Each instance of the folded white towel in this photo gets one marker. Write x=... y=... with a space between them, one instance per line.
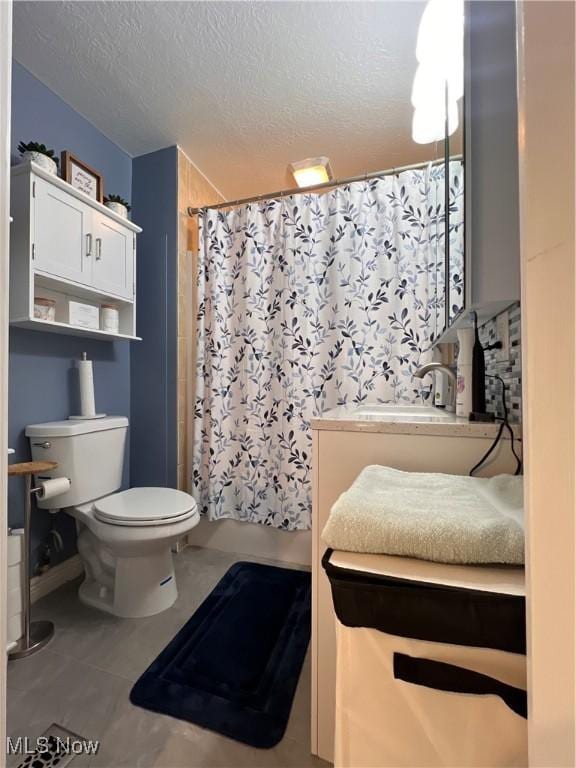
x=444 y=518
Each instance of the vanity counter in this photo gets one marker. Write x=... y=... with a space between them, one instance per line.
x=347 y=419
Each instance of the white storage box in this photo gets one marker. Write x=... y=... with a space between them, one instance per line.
x=431 y=666
x=14 y=586
x=83 y=315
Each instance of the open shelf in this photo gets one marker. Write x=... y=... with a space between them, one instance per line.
x=62 y=293
x=32 y=323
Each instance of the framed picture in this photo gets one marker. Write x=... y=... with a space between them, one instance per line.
x=81 y=176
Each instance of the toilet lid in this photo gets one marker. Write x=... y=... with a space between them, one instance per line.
x=145 y=506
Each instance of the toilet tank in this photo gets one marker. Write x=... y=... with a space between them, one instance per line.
x=90 y=453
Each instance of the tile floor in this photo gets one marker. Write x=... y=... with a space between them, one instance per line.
x=83 y=678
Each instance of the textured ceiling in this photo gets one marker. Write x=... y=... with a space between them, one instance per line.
x=243 y=87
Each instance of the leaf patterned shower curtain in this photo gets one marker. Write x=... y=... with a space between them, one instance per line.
x=306 y=303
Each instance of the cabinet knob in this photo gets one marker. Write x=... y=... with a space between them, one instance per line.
x=88 y=244
x=98 y=248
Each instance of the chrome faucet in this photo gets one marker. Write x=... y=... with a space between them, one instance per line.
x=449 y=372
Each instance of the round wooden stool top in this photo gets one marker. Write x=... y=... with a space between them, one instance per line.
x=31 y=467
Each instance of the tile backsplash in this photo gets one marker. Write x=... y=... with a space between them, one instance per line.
x=509 y=370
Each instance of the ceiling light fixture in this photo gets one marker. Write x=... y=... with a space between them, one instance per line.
x=312 y=171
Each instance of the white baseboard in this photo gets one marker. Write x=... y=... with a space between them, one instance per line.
x=42 y=585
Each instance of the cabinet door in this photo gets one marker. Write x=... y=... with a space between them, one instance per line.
x=61 y=233
x=113 y=265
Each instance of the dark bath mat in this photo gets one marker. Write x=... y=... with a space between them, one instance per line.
x=234 y=666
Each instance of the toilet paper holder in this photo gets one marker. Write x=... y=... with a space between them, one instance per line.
x=36 y=634
x=51 y=486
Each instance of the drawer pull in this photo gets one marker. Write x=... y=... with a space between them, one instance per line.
x=441 y=676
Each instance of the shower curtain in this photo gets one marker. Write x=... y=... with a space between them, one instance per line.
x=306 y=303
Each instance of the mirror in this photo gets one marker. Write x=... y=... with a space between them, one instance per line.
x=438 y=99
x=438 y=298
x=455 y=222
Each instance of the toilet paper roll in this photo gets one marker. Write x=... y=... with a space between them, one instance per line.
x=54 y=487
x=87 y=404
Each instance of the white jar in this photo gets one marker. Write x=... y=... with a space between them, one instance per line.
x=118 y=208
x=109 y=318
x=44 y=309
x=42 y=160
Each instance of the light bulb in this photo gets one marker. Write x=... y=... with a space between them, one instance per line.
x=453 y=120
x=430 y=31
x=429 y=123
x=429 y=87
x=441 y=32
x=440 y=73
x=307 y=177
x=455 y=78
x=440 y=44
x=312 y=171
x=428 y=126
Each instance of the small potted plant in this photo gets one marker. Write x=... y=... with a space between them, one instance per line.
x=39 y=154
x=117 y=204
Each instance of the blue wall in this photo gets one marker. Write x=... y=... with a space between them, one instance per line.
x=39 y=115
x=154 y=359
x=41 y=383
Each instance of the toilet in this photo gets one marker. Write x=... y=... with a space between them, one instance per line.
x=124 y=537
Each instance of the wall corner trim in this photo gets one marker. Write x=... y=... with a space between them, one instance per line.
x=201 y=172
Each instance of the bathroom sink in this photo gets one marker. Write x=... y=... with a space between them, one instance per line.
x=423 y=412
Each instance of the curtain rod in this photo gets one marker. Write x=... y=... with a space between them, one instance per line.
x=325 y=185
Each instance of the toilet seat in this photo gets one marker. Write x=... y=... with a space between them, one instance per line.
x=145 y=506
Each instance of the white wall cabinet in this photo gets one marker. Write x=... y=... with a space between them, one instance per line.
x=66 y=246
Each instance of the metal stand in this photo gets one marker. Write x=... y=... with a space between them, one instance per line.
x=37 y=634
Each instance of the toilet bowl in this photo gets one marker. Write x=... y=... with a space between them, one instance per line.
x=124 y=537
x=125 y=543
